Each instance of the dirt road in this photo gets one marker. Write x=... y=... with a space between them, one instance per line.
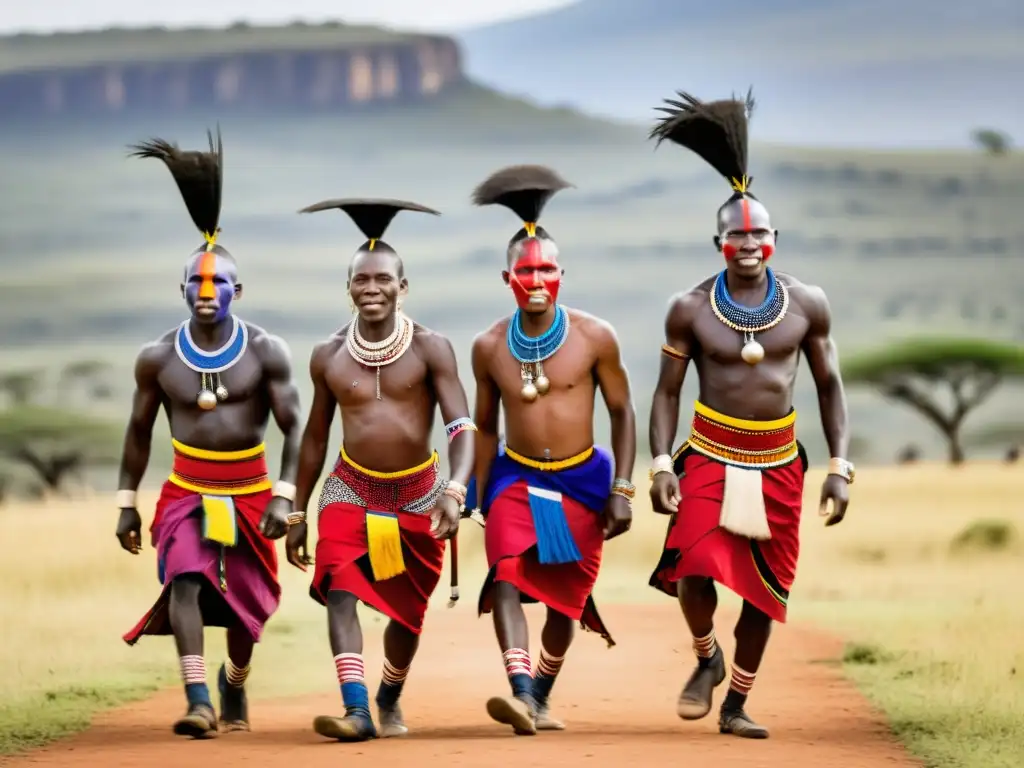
x=618 y=704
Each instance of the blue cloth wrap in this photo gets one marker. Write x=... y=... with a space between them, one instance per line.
x=588 y=483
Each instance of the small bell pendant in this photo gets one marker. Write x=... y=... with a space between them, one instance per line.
x=529 y=391
x=207 y=399
x=752 y=352
x=543 y=383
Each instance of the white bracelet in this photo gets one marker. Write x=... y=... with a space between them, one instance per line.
x=125 y=499
x=284 y=490
x=662 y=463
x=458 y=487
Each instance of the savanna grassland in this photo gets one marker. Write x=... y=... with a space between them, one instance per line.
x=918 y=579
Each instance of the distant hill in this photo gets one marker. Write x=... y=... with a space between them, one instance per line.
x=865 y=72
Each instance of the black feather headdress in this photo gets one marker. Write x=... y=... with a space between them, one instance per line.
x=372 y=216
x=524 y=189
x=714 y=130
x=200 y=179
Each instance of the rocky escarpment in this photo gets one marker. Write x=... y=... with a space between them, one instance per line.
x=237 y=68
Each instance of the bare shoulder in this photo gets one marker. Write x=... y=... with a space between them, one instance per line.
x=324 y=351
x=273 y=351
x=488 y=339
x=596 y=329
x=684 y=305
x=155 y=354
x=431 y=345
x=810 y=300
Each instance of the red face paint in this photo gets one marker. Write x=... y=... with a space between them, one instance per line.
x=534 y=273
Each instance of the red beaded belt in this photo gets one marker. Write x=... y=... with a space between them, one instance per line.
x=742 y=442
x=220 y=473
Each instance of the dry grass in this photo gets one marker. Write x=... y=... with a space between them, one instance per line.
x=933 y=629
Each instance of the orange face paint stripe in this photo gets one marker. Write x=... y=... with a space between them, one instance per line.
x=207 y=269
x=746 y=214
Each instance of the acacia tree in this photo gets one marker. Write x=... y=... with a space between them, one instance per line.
x=942 y=379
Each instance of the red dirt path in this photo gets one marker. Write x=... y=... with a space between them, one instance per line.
x=618 y=704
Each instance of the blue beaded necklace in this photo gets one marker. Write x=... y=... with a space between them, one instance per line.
x=532 y=351
x=209 y=365
x=750 y=320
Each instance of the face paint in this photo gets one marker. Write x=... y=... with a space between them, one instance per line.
x=748 y=219
x=535 y=276
x=210 y=287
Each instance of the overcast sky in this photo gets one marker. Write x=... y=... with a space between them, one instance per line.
x=49 y=15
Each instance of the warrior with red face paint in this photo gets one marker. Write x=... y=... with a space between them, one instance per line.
x=735 y=486
x=218 y=379
x=549 y=496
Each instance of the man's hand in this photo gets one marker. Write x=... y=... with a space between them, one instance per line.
x=618 y=516
x=837 y=490
x=129 y=530
x=274 y=523
x=665 y=496
x=295 y=547
x=444 y=517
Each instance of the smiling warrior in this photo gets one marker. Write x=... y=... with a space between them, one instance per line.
x=550 y=497
x=385 y=510
x=735 y=486
x=219 y=379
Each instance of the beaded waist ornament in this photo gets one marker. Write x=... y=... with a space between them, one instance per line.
x=532 y=351
x=377 y=354
x=209 y=365
x=750 y=320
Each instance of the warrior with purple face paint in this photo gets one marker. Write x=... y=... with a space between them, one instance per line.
x=219 y=380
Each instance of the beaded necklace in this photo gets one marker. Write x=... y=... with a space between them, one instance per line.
x=531 y=351
x=750 y=320
x=209 y=365
x=377 y=354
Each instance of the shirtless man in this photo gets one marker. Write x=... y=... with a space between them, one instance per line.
x=218 y=379
x=550 y=496
x=735 y=487
x=385 y=510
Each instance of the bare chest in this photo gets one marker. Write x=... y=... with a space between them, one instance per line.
x=354 y=383
x=723 y=345
x=242 y=382
x=570 y=369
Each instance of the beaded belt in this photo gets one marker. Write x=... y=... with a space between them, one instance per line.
x=220 y=473
x=742 y=442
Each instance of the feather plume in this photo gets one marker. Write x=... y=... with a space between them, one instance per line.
x=373 y=216
x=524 y=189
x=199 y=176
x=715 y=130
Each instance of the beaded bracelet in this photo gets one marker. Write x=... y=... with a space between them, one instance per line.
x=624 y=488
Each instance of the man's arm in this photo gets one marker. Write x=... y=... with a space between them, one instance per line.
x=284 y=402
x=680 y=345
x=138 y=437
x=824 y=363
x=313 y=448
x=485 y=414
x=613 y=380
x=451 y=399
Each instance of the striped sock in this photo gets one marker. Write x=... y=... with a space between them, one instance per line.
x=548 y=667
x=351 y=674
x=517 y=667
x=392 y=679
x=236 y=676
x=739 y=687
x=193 y=675
x=705 y=648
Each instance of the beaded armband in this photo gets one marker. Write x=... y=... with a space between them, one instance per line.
x=454 y=428
x=672 y=352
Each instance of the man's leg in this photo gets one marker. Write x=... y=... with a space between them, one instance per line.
x=514 y=640
x=555 y=639
x=400 y=646
x=347 y=646
x=234 y=704
x=752 y=633
x=187 y=624
x=698 y=599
